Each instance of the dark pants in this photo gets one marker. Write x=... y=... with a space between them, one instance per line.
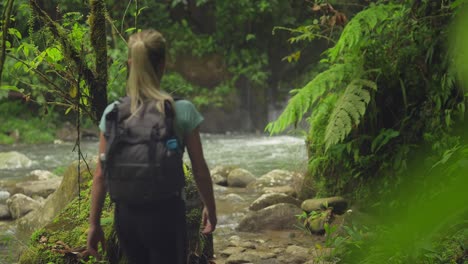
x=153 y=234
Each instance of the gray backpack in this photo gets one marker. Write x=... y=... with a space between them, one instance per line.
x=143 y=156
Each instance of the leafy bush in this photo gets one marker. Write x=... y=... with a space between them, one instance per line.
x=18 y=119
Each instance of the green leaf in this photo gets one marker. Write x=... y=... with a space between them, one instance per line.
x=132 y=29
x=10 y=88
x=55 y=54
x=250 y=37
x=15 y=32
x=68 y=110
x=383 y=138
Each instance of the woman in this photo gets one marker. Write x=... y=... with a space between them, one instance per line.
x=154 y=234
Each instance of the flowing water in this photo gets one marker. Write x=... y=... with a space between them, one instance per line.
x=258 y=154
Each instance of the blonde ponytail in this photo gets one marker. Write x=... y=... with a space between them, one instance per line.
x=147 y=59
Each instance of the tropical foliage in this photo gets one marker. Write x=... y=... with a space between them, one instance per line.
x=388 y=87
x=386 y=127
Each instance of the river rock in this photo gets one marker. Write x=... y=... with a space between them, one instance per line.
x=295 y=255
x=20 y=204
x=269 y=199
x=65 y=193
x=243 y=257
x=276 y=217
x=41 y=188
x=233 y=198
x=40 y=175
x=275 y=178
x=4 y=212
x=4 y=195
x=231 y=251
x=240 y=178
x=288 y=190
x=220 y=173
x=339 y=204
x=14 y=160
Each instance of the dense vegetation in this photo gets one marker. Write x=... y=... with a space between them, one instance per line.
x=387 y=128
x=216 y=59
x=384 y=108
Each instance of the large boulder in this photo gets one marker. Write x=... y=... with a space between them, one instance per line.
x=4 y=212
x=220 y=173
x=276 y=217
x=271 y=199
x=65 y=193
x=339 y=204
x=240 y=178
x=14 y=160
x=42 y=188
x=276 y=178
x=20 y=204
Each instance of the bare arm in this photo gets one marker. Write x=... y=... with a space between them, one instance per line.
x=98 y=191
x=202 y=178
x=98 y=194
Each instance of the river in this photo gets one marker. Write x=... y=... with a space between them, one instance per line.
x=258 y=154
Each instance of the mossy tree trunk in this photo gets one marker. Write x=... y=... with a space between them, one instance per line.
x=98 y=41
x=95 y=80
x=5 y=25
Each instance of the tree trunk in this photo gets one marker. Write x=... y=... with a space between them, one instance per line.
x=6 y=25
x=99 y=43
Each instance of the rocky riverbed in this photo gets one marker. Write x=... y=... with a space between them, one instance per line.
x=257 y=214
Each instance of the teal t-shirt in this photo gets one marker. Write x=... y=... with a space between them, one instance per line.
x=187 y=117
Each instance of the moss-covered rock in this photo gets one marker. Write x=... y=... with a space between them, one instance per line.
x=57 y=201
x=64 y=239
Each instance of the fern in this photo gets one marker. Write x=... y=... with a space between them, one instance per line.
x=348 y=111
x=319 y=117
x=357 y=31
x=304 y=98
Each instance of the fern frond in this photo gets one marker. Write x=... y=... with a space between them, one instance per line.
x=302 y=101
x=319 y=117
x=348 y=111
x=360 y=26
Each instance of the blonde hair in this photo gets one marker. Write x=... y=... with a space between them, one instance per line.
x=147 y=54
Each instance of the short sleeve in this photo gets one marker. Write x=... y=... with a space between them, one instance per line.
x=102 y=122
x=187 y=117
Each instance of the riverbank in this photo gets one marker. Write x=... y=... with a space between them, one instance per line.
x=258 y=154
x=232 y=246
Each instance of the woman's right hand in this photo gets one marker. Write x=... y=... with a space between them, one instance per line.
x=95 y=236
x=208 y=221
